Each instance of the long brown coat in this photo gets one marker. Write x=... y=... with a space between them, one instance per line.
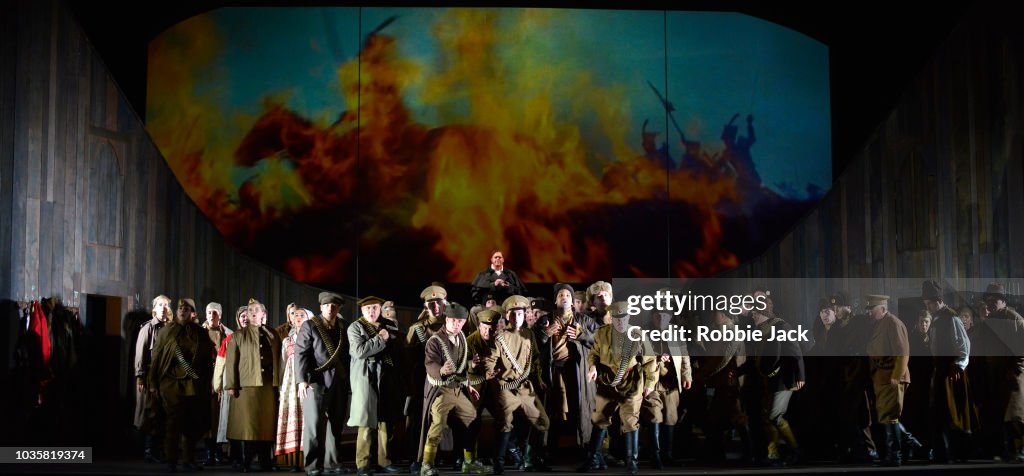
x=252 y=415
x=889 y=349
x=146 y=411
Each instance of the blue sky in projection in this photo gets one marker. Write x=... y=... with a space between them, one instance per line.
x=710 y=65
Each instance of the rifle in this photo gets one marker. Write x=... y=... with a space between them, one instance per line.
x=668 y=109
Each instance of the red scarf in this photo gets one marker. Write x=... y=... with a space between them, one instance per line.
x=39 y=326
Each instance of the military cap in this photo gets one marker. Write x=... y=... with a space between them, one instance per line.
x=931 y=291
x=215 y=306
x=540 y=303
x=598 y=287
x=187 y=302
x=488 y=297
x=457 y=311
x=619 y=309
x=839 y=299
x=433 y=292
x=995 y=290
x=489 y=316
x=515 y=302
x=561 y=286
x=369 y=300
x=873 y=300
x=328 y=297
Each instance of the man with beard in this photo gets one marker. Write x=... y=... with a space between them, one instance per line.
x=448 y=392
x=321 y=371
x=661 y=407
x=951 y=412
x=181 y=372
x=565 y=340
x=430 y=320
x=252 y=373
x=149 y=417
x=377 y=389
x=624 y=378
x=497 y=280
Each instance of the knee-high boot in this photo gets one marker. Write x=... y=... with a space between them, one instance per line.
x=910 y=446
x=499 y=457
x=632 y=440
x=893 y=437
x=656 y=446
x=594 y=458
x=667 y=440
x=537 y=445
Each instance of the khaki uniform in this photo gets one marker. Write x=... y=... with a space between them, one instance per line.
x=253 y=367
x=515 y=362
x=662 y=405
x=480 y=352
x=614 y=355
x=182 y=370
x=889 y=350
x=416 y=340
x=448 y=394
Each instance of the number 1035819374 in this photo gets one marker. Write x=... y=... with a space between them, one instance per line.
x=45 y=455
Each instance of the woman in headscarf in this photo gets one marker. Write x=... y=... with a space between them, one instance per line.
x=289 y=414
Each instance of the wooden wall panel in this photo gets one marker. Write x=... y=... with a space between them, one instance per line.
x=94 y=208
x=8 y=49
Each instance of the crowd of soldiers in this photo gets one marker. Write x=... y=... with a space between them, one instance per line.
x=565 y=375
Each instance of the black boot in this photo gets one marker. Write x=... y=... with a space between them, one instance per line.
x=893 y=435
x=656 y=446
x=150 y=453
x=235 y=454
x=248 y=452
x=632 y=440
x=499 y=455
x=595 y=458
x=515 y=455
x=667 y=440
x=910 y=446
x=536 y=452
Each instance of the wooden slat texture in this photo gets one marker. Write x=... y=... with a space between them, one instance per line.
x=8 y=48
x=93 y=206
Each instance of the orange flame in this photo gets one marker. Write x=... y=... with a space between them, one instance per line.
x=509 y=171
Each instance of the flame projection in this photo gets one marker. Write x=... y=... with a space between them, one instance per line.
x=420 y=140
